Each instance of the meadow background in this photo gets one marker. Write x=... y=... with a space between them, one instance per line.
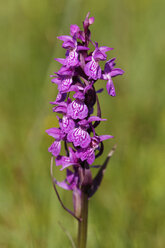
x=128 y=211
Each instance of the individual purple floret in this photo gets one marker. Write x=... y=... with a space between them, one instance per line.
x=58 y=134
x=92 y=68
x=63 y=82
x=88 y=153
x=77 y=110
x=76 y=143
x=79 y=137
x=66 y=124
x=67 y=161
x=55 y=148
x=109 y=72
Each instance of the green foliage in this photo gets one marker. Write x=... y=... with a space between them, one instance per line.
x=128 y=210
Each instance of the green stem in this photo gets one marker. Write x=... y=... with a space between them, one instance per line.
x=82 y=226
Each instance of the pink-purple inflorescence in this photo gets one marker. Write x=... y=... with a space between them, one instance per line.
x=79 y=72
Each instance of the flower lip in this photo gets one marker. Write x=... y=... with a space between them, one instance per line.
x=69 y=42
x=67 y=124
x=79 y=137
x=55 y=148
x=92 y=69
x=77 y=109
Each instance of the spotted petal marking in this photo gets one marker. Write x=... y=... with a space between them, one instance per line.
x=67 y=124
x=93 y=70
x=77 y=110
x=72 y=59
x=86 y=154
x=79 y=137
x=55 y=148
x=65 y=84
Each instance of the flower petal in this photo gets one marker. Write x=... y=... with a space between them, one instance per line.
x=55 y=148
x=117 y=71
x=65 y=71
x=82 y=48
x=77 y=109
x=63 y=185
x=109 y=65
x=65 y=84
x=105 y=137
x=64 y=161
x=54 y=132
x=79 y=137
x=74 y=29
x=72 y=179
x=60 y=60
x=86 y=154
x=69 y=42
x=95 y=118
x=67 y=124
x=60 y=98
x=93 y=70
x=72 y=59
x=110 y=88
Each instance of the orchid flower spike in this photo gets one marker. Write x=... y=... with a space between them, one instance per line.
x=79 y=72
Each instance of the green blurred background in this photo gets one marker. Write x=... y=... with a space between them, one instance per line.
x=129 y=208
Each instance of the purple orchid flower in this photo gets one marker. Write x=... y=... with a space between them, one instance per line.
x=71 y=59
x=63 y=82
x=66 y=124
x=70 y=44
x=77 y=109
x=88 y=153
x=74 y=30
x=109 y=72
x=79 y=137
x=67 y=161
x=55 y=148
x=92 y=68
x=56 y=133
x=72 y=55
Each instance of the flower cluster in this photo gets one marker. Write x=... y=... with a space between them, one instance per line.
x=75 y=104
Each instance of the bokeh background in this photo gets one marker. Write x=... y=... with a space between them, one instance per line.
x=129 y=208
